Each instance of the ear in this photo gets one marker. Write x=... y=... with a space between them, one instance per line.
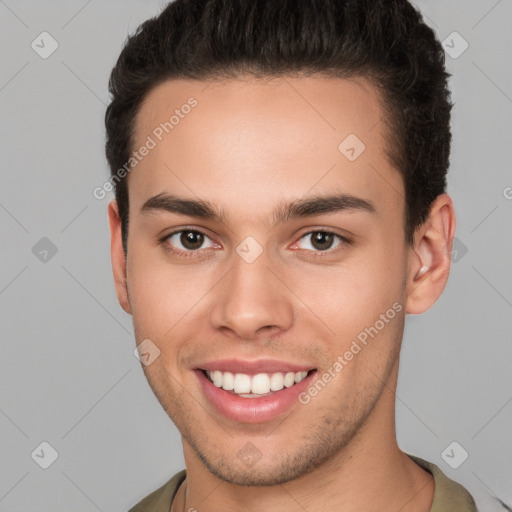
x=431 y=253
x=117 y=256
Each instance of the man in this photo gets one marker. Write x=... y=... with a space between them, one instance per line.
x=280 y=173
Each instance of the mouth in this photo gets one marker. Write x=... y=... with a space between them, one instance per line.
x=254 y=386
x=251 y=395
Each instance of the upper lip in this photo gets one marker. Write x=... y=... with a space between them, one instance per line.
x=254 y=367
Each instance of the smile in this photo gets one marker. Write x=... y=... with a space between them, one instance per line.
x=261 y=384
x=252 y=392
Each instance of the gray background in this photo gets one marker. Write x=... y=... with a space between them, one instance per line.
x=68 y=375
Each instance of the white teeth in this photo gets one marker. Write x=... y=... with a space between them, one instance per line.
x=242 y=383
x=276 y=382
x=259 y=384
x=300 y=376
x=289 y=379
x=228 y=381
x=217 y=378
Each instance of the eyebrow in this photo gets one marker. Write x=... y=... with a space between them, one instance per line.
x=307 y=207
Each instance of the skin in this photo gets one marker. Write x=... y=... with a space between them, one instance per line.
x=246 y=147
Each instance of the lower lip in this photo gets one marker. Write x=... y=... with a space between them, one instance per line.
x=252 y=410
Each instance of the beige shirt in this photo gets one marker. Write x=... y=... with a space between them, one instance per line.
x=449 y=496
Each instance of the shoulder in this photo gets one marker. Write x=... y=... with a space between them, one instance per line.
x=449 y=496
x=160 y=499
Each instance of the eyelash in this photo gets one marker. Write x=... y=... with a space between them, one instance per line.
x=316 y=254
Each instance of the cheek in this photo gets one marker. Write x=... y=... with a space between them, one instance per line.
x=159 y=295
x=344 y=300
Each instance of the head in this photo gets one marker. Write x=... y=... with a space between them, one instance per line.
x=291 y=119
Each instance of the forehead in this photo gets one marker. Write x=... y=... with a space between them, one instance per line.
x=327 y=106
x=272 y=137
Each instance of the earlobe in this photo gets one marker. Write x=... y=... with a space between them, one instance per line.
x=117 y=256
x=429 y=261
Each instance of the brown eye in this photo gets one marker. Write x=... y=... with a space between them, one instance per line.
x=187 y=240
x=322 y=240
x=191 y=239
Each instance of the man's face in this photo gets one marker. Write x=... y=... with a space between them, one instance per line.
x=288 y=298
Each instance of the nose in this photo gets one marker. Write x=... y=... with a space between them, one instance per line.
x=251 y=301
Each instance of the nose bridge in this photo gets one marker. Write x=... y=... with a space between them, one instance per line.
x=250 y=296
